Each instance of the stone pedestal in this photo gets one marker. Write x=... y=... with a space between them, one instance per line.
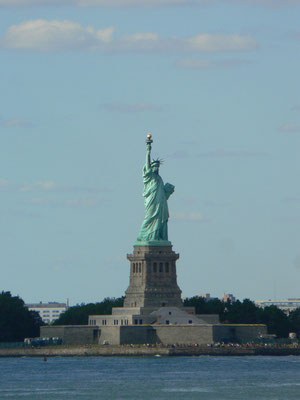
x=153 y=279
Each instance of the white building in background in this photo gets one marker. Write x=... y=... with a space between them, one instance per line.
x=49 y=312
x=285 y=305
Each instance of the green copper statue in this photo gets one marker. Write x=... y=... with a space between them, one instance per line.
x=154 y=229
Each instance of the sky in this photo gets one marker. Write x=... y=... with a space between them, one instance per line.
x=216 y=82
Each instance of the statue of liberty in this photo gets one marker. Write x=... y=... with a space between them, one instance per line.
x=155 y=225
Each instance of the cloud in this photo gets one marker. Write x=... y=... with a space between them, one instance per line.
x=216 y=42
x=182 y=154
x=43 y=35
x=55 y=35
x=82 y=202
x=189 y=216
x=137 y=107
x=231 y=154
x=179 y=154
x=16 y=123
x=38 y=186
x=48 y=186
x=213 y=203
x=290 y=128
x=193 y=63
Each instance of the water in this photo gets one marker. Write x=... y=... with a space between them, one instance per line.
x=205 y=378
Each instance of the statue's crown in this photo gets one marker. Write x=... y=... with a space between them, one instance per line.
x=158 y=161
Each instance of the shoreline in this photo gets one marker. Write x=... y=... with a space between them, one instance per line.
x=121 y=351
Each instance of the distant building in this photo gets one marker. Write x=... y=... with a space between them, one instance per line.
x=49 y=312
x=206 y=296
x=228 y=296
x=285 y=305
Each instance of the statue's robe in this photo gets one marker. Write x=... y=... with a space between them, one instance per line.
x=154 y=226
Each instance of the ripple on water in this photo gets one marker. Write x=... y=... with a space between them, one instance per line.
x=186 y=390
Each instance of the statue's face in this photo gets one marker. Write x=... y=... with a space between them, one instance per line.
x=155 y=169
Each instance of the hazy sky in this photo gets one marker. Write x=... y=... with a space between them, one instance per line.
x=217 y=83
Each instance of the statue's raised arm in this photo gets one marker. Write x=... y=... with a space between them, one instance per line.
x=154 y=229
x=148 y=151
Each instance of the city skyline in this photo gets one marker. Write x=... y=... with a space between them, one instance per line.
x=215 y=82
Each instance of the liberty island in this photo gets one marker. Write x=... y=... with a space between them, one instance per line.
x=153 y=311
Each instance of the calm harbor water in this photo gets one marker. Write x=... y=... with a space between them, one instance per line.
x=211 y=378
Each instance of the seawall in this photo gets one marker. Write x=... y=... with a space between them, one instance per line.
x=72 y=351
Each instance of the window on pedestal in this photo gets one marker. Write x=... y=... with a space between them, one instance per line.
x=155 y=267
x=133 y=268
x=160 y=267
x=167 y=267
x=140 y=267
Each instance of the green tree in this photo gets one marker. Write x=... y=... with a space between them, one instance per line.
x=16 y=321
x=79 y=314
x=277 y=321
x=203 y=306
x=245 y=312
x=294 y=318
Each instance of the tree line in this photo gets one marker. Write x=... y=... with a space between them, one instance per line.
x=79 y=314
x=17 y=322
x=247 y=312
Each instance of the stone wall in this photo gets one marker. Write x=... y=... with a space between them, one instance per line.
x=137 y=335
x=240 y=333
x=72 y=334
x=164 y=334
x=209 y=318
x=109 y=335
x=184 y=334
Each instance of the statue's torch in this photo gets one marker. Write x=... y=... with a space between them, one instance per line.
x=149 y=139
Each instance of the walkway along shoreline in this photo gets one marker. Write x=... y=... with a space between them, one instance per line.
x=81 y=351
